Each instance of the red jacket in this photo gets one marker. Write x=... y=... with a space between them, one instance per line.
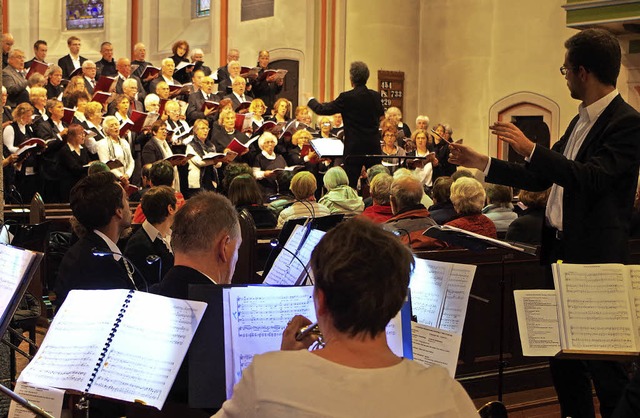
x=378 y=213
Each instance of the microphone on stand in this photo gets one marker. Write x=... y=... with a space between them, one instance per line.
x=104 y=253
x=276 y=244
x=153 y=258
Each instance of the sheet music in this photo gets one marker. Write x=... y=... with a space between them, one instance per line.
x=428 y=283
x=457 y=298
x=49 y=399
x=258 y=315
x=394 y=335
x=286 y=270
x=594 y=307
x=14 y=263
x=148 y=349
x=75 y=339
x=634 y=293
x=435 y=346
x=537 y=314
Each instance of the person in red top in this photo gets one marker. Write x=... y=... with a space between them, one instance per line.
x=161 y=174
x=468 y=196
x=380 y=187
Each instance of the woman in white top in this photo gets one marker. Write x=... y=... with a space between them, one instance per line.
x=202 y=173
x=114 y=148
x=361 y=277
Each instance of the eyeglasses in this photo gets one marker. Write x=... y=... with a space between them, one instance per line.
x=564 y=69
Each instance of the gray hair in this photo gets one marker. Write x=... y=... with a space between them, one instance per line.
x=359 y=73
x=407 y=191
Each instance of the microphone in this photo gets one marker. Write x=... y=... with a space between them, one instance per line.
x=153 y=258
x=105 y=253
x=398 y=231
x=276 y=244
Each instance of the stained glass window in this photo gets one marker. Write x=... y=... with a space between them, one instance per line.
x=84 y=14
x=203 y=8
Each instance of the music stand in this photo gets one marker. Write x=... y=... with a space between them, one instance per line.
x=475 y=242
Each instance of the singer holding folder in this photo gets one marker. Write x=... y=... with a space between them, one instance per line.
x=361 y=278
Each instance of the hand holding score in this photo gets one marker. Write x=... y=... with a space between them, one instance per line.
x=289 y=341
x=510 y=134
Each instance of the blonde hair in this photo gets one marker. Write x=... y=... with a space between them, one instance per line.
x=467 y=196
x=91 y=108
x=298 y=134
x=303 y=185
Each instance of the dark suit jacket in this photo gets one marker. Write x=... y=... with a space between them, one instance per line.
x=194 y=109
x=67 y=65
x=527 y=227
x=88 y=85
x=361 y=109
x=45 y=129
x=80 y=269
x=235 y=102
x=599 y=185
x=141 y=92
x=151 y=153
x=139 y=247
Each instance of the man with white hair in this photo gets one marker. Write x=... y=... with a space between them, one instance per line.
x=7 y=44
x=222 y=73
x=13 y=79
x=123 y=65
x=197 y=55
x=166 y=74
x=139 y=59
x=89 y=70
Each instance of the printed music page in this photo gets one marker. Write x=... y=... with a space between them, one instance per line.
x=49 y=399
x=75 y=339
x=595 y=312
x=14 y=263
x=258 y=315
x=456 y=299
x=148 y=348
x=634 y=295
x=537 y=322
x=428 y=287
x=286 y=270
x=435 y=346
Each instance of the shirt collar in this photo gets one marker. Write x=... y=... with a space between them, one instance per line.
x=151 y=230
x=594 y=110
x=269 y=156
x=112 y=245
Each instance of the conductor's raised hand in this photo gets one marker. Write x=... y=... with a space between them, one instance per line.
x=511 y=134
x=465 y=156
x=289 y=341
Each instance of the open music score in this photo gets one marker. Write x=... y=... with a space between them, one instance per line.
x=594 y=310
x=119 y=344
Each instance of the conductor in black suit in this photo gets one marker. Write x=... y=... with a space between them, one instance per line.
x=73 y=60
x=153 y=238
x=361 y=110
x=205 y=240
x=99 y=204
x=592 y=171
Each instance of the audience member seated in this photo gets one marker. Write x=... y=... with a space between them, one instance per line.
x=73 y=159
x=245 y=193
x=202 y=174
x=231 y=171
x=285 y=198
x=154 y=237
x=361 y=277
x=145 y=183
x=371 y=172
x=389 y=146
x=400 y=172
x=303 y=186
x=380 y=188
x=442 y=210
x=266 y=162
x=499 y=208
x=410 y=217
x=340 y=197
x=205 y=239
x=527 y=227
x=467 y=196
x=161 y=173
x=115 y=150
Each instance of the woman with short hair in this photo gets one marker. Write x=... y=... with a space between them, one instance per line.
x=467 y=196
x=303 y=186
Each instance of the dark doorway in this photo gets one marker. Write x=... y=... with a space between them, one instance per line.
x=290 y=88
x=534 y=128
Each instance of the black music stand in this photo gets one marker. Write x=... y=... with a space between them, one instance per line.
x=475 y=242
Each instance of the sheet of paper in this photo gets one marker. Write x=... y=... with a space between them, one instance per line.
x=286 y=269
x=14 y=263
x=49 y=399
x=75 y=339
x=457 y=298
x=258 y=315
x=537 y=314
x=428 y=288
x=394 y=335
x=595 y=308
x=634 y=294
x=148 y=348
x=435 y=346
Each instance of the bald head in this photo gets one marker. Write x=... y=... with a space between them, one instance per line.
x=123 y=65
x=406 y=191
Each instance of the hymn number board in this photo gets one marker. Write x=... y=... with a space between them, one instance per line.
x=391 y=88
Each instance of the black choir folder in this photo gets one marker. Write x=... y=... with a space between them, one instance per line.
x=593 y=312
x=119 y=344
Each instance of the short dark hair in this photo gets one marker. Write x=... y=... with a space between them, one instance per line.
x=95 y=199
x=233 y=170
x=72 y=99
x=161 y=173
x=155 y=203
x=597 y=51
x=498 y=194
x=37 y=44
x=201 y=219
x=442 y=189
x=364 y=274
x=244 y=191
x=156 y=126
x=359 y=73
